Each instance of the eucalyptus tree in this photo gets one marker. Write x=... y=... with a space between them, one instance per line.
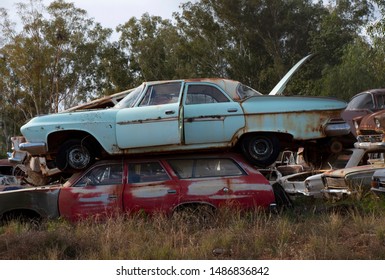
x=254 y=41
x=52 y=62
x=150 y=44
x=339 y=37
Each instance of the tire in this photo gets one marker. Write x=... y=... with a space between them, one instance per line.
x=73 y=156
x=195 y=216
x=261 y=150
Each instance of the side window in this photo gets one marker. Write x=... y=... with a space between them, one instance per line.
x=202 y=94
x=381 y=101
x=102 y=175
x=161 y=94
x=146 y=172
x=200 y=168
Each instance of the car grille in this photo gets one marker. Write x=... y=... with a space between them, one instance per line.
x=335 y=182
x=370 y=138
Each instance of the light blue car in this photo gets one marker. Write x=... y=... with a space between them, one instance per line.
x=186 y=115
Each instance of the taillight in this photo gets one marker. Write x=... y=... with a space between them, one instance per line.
x=375 y=183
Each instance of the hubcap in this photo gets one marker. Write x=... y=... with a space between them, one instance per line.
x=262 y=148
x=79 y=158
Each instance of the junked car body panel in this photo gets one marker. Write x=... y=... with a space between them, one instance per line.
x=149 y=184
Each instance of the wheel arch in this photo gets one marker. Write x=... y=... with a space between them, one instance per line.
x=57 y=138
x=193 y=204
x=283 y=137
x=21 y=213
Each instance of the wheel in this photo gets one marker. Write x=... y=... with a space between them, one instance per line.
x=74 y=155
x=261 y=150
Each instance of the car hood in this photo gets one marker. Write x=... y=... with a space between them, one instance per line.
x=345 y=171
x=280 y=87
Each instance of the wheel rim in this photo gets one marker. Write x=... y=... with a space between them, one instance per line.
x=261 y=148
x=79 y=157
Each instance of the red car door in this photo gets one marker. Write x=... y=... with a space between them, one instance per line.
x=150 y=188
x=97 y=193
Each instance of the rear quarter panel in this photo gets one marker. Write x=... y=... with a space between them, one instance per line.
x=283 y=114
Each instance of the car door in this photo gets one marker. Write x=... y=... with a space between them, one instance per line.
x=97 y=193
x=154 y=121
x=209 y=115
x=150 y=188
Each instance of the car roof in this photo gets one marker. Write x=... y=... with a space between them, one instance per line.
x=371 y=91
x=228 y=85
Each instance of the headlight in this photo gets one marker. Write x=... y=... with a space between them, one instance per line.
x=356 y=124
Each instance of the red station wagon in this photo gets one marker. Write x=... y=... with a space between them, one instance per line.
x=149 y=184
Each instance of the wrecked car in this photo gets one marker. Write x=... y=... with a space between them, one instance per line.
x=309 y=182
x=370 y=131
x=146 y=184
x=353 y=181
x=185 y=115
x=188 y=115
x=362 y=104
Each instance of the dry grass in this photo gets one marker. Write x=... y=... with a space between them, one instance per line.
x=351 y=233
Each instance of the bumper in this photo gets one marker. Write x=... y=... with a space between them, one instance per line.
x=335 y=191
x=380 y=191
x=369 y=145
x=34 y=149
x=370 y=142
x=337 y=129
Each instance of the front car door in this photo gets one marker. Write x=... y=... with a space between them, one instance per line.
x=154 y=121
x=210 y=116
x=97 y=193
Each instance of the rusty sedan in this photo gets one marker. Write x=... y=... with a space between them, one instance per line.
x=147 y=184
x=187 y=115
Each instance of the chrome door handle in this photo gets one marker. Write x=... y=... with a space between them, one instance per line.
x=170 y=112
x=232 y=110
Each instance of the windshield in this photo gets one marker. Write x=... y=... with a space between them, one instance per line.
x=246 y=91
x=130 y=99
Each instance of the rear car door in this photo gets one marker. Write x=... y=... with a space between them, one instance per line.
x=97 y=193
x=150 y=188
x=209 y=115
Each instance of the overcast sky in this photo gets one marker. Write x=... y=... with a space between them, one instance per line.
x=111 y=13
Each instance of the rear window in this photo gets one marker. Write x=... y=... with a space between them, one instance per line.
x=201 y=168
x=363 y=101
